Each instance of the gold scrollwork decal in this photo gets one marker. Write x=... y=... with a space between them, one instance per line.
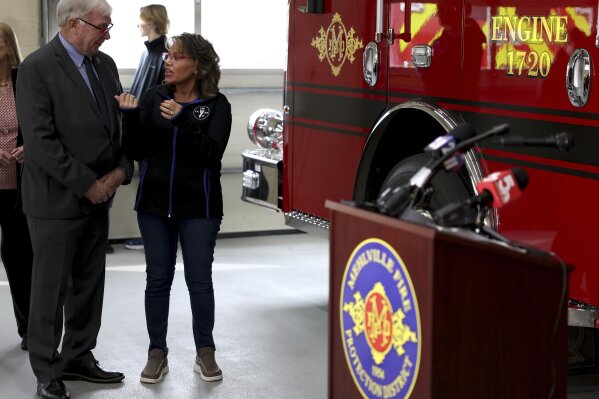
x=336 y=44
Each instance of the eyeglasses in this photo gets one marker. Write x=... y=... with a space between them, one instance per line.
x=103 y=32
x=174 y=56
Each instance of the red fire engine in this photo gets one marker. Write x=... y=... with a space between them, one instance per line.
x=369 y=83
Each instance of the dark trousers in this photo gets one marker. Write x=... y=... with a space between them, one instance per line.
x=69 y=259
x=17 y=256
x=198 y=239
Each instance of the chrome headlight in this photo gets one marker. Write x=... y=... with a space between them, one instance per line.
x=265 y=128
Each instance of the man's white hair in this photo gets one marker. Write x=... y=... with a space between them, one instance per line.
x=68 y=9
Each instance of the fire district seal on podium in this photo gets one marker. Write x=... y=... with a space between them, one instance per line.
x=380 y=322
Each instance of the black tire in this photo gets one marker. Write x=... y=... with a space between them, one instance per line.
x=448 y=187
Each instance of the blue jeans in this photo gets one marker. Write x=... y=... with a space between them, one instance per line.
x=198 y=238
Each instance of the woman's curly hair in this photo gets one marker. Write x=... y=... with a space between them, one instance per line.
x=205 y=58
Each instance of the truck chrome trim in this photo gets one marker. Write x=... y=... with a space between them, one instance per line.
x=422 y=55
x=251 y=179
x=303 y=9
x=262 y=177
x=390 y=36
x=578 y=77
x=597 y=26
x=262 y=155
x=263 y=203
x=308 y=223
x=379 y=34
x=370 y=64
x=444 y=118
x=265 y=128
x=583 y=317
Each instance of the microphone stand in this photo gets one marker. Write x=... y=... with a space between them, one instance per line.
x=426 y=173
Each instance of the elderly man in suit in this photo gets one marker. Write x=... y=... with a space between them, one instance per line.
x=73 y=165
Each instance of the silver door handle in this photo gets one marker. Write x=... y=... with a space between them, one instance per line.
x=578 y=77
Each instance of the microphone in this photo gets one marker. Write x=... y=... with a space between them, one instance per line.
x=496 y=190
x=562 y=141
x=503 y=187
x=444 y=144
x=423 y=176
x=394 y=200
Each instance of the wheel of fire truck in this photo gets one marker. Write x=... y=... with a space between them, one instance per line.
x=393 y=153
x=446 y=187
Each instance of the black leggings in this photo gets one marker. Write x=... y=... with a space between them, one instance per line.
x=17 y=256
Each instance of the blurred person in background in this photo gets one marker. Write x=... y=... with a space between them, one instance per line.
x=16 y=252
x=153 y=24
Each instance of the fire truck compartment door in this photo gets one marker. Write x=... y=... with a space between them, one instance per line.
x=262 y=179
x=525 y=51
x=332 y=108
x=430 y=64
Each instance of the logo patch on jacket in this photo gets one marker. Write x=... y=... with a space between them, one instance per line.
x=201 y=112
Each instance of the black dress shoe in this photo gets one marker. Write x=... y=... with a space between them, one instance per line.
x=52 y=389
x=24 y=343
x=90 y=371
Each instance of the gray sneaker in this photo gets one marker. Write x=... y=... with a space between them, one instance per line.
x=206 y=365
x=156 y=367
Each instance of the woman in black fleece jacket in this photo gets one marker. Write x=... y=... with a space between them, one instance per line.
x=179 y=132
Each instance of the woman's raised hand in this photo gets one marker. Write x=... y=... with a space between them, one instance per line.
x=169 y=109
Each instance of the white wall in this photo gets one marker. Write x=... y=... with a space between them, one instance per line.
x=24 y=17
x=254 y=36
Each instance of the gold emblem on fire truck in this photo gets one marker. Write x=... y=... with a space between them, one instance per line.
x=337 y=44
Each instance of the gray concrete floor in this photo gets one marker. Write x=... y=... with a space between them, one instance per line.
x=583 y=387
x=271 y=326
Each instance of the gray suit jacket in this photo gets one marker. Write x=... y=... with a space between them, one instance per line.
x=67 y=144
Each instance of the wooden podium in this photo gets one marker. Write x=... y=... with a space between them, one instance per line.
x=492 y=318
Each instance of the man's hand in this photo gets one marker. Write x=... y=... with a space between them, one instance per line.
x=98 y=192
x=113 y=179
